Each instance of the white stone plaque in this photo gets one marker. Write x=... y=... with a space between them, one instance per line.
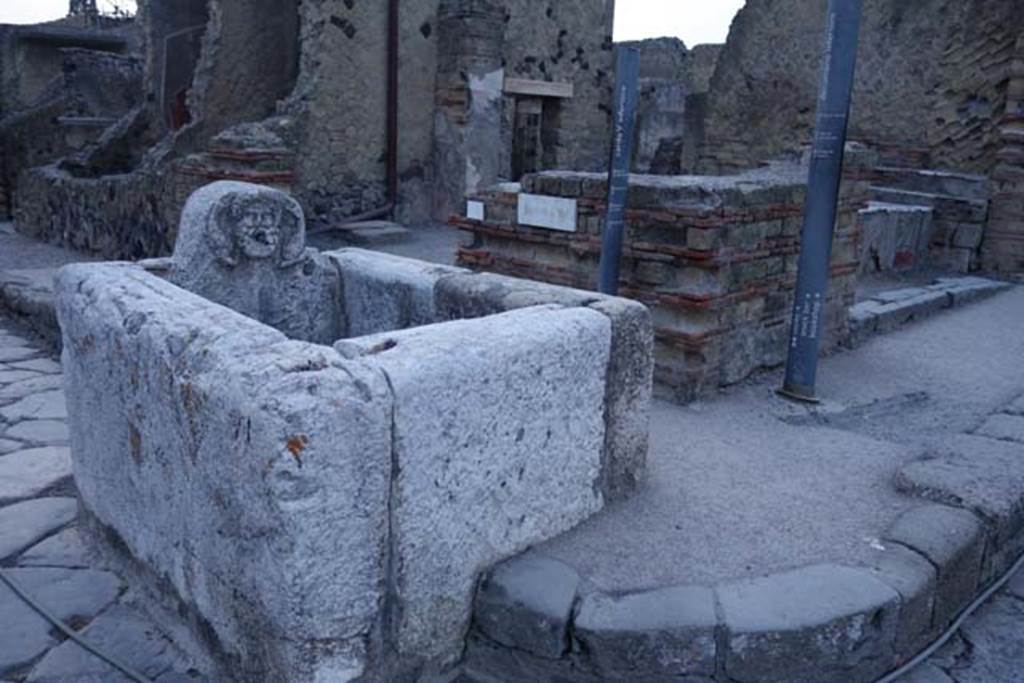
x=554 y=213
x=475 y=210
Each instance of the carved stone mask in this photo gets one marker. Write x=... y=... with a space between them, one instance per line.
x=259 y=229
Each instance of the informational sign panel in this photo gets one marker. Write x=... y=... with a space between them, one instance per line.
x=838 y=66
x=475 y=210
x=624 y=123
x=553 y=213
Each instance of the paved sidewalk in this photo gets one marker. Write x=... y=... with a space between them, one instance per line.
x=41 y=549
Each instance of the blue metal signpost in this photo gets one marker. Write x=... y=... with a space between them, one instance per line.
x=624 y=122
x=839 y=64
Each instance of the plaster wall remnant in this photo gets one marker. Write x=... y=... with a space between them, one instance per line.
x=324 y=504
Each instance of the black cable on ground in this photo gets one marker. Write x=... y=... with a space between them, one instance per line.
x=84 y=644
x=954 y=627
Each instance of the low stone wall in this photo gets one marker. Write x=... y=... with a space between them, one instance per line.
x=125 y=216
x=715 y=259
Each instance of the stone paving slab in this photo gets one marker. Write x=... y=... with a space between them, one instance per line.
x=73 y=596
x=24 y=524
x=30 y=385
x=40 y=432
x=121 y=632
x=996 y=654
x=28 y=473
x=1004 y=427
x=65 y=549
x=1017 y=407
x=43 y=365
x=48 y=405
x=10 y=376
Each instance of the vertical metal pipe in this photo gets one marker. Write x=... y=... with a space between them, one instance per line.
x=624 y=122
x=838 y=67
x=392 y=104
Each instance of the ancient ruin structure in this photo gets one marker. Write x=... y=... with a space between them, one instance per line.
x=325 y=512
x=361 y=109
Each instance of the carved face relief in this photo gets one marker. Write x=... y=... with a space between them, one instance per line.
x=258 y=231
x=256 y=226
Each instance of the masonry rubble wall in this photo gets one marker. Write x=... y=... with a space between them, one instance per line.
x=931 y=76
x=1003 y=246
x=714 y=258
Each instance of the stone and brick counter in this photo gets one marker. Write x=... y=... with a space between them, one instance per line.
x=715 y=259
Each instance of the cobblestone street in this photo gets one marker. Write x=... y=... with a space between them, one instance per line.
x=42 y=552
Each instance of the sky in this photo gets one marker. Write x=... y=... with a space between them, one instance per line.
x=695 y=21
x=35 y=11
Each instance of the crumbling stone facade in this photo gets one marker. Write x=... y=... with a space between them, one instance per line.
x=310 y=92
x=61 y=85
x=931 y=80
x=674 y=82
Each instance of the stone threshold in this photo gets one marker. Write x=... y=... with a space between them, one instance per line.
x=886 y=311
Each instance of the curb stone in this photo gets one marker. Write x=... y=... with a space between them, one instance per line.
x=527 y=604
x=889 y=310
x=661 y=632
x=954 y=542
x=862 y=622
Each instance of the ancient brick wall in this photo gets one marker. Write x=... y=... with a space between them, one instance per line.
x=714 y=258
x=930 y=76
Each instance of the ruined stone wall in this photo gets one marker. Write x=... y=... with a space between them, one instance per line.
x=972 y=96
x=568 y=42
x=673 y=86
x=249 y=62
x=342 y=89
x=928 y=76
x=342 y=93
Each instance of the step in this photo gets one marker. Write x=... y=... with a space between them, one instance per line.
x=371 y=233
x=946 y=207
x=963 y=185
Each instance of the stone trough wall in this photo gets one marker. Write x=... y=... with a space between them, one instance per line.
x=323 y=496
x=715 y=259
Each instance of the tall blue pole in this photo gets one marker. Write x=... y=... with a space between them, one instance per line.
x=624 y=123
x=836 y=89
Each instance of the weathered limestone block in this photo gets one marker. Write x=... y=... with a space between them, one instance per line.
x=249 y=472
x=244 y=246
x=383 y=293
x=630 y=372
x=499 y=431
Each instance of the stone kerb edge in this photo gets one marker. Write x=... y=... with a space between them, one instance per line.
x=898 y=603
